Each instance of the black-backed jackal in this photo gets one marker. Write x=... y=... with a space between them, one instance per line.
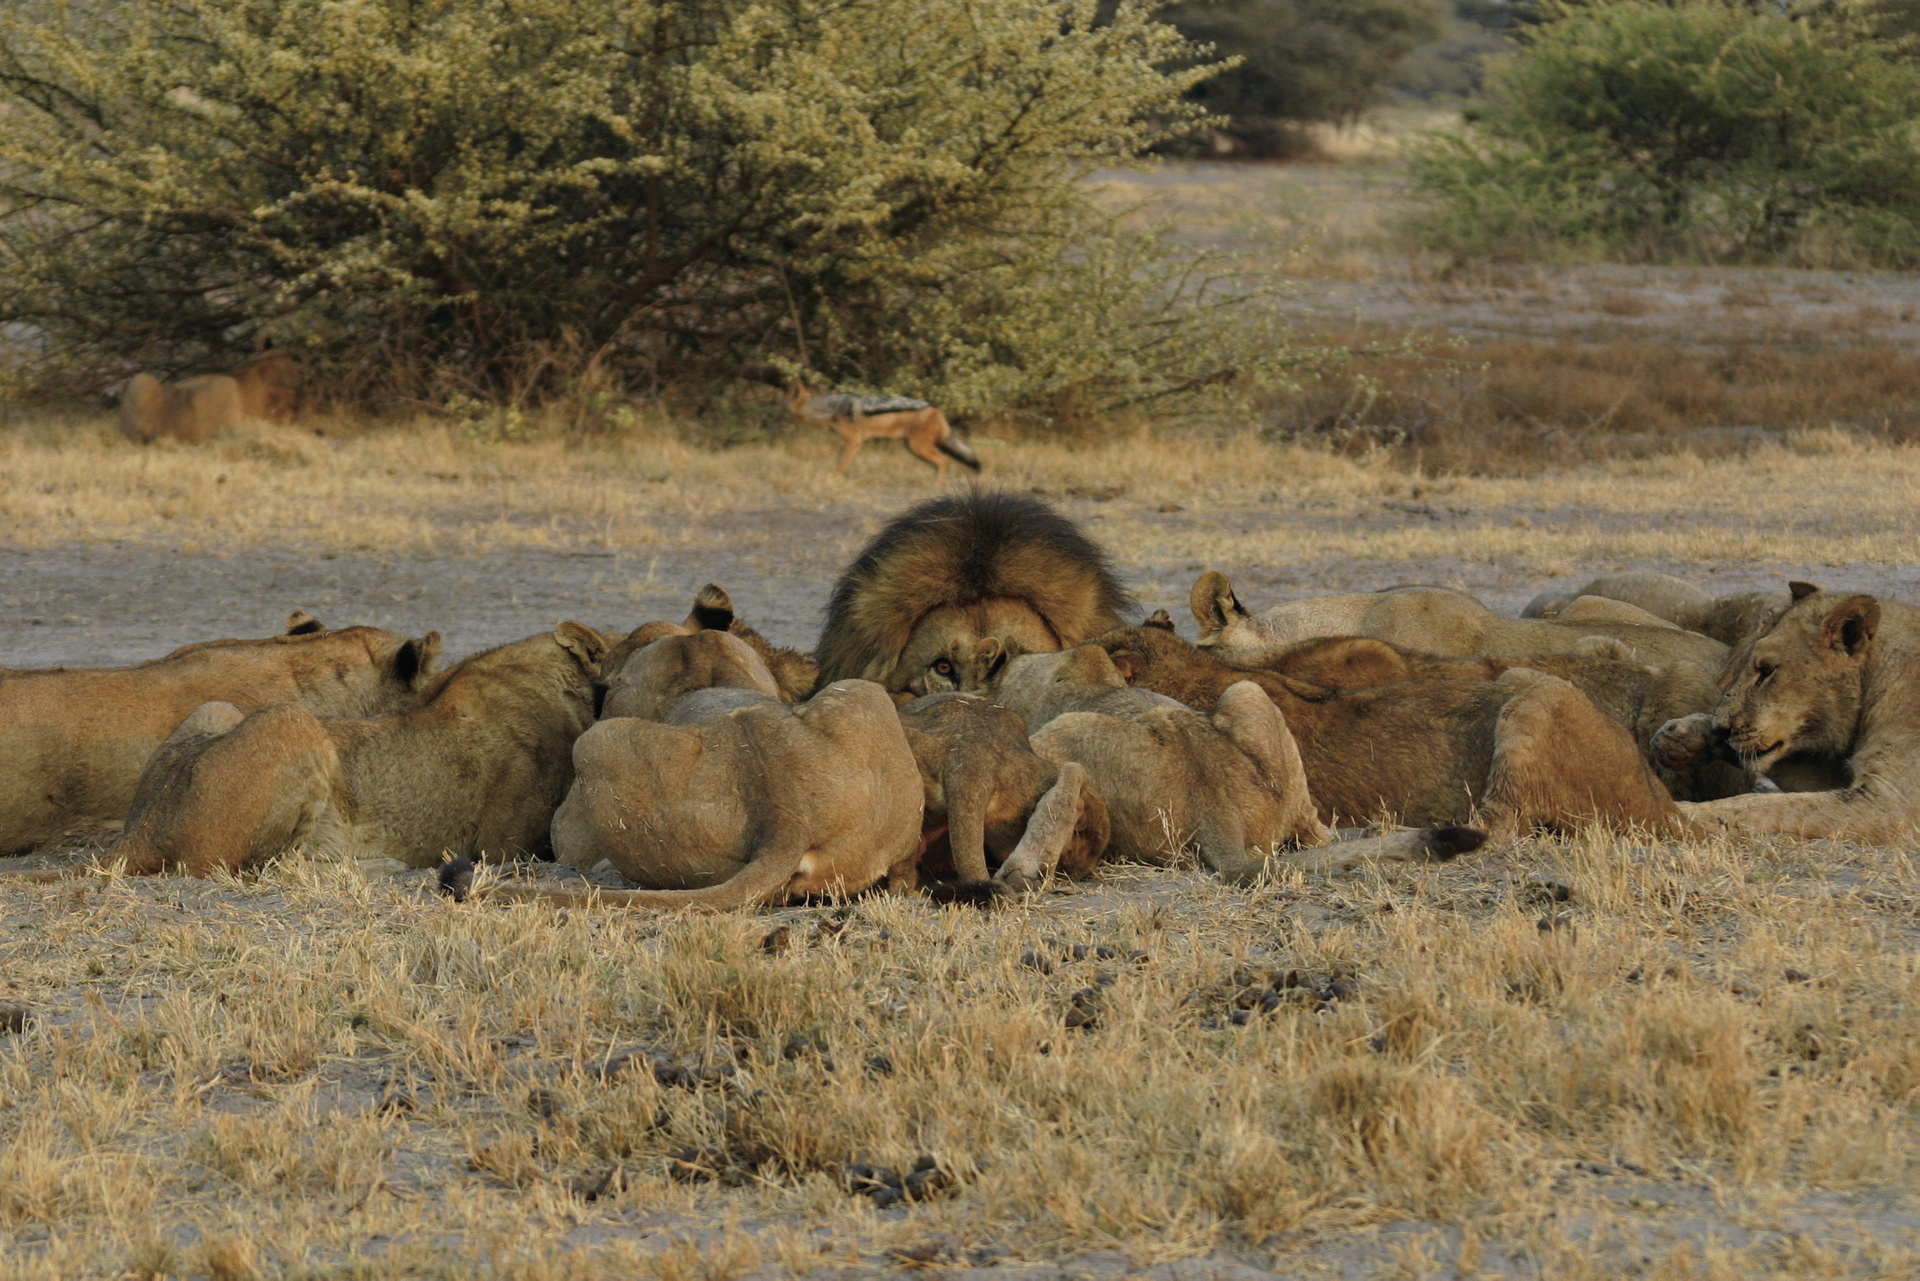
x=858 y=419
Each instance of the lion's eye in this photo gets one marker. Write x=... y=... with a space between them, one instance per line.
x=943 y=667
x=1763 y=672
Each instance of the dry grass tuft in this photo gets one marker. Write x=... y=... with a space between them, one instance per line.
x=313 y=1073
x=1505 y=407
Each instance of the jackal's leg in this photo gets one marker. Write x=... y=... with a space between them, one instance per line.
x=853 y=447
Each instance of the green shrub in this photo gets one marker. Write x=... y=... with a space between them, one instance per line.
x=498 y=199
x=1688 y=130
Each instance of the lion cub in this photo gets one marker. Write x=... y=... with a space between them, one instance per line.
x=990 y=799
x=703 y=787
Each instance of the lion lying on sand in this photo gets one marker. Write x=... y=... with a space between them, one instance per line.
x=1228 y=783
x=1728 y=618
x=73 y=743
x=1436 y=621
x=1830 y=684
x=264 y=388
x=732 y=798
x=476 y=769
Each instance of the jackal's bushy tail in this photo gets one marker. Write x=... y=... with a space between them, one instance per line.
x=955 y=448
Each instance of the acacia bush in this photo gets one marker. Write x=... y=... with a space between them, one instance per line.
x=1695 y=130
x=488 y=200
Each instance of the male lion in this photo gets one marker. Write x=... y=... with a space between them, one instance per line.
x=73 y=743
x=1519 y=750
x=477 y=769
x=1228 y=783
x=732 y=798
x=1832 y=678
x=949 y=571
x=1434 y=620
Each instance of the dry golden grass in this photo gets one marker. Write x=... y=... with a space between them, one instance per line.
x=1816 y=498
x=1499 y=407
x=319 y=1075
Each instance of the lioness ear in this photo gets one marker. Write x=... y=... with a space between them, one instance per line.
x=582 y=642
x=1161 y=619
x=301 y=623
x=1802 y=590
x=989 y=658
x=1851 y=625
x=1130 y=664
x=1213 y=602
x=415 y=660
x=712 y=610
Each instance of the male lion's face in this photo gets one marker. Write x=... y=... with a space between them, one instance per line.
x=942 y=648
x=1796 y=688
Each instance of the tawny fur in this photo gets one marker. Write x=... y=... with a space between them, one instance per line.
x=995 y=812
x=1432 y=752
x=1432 y=620
x=949 y=571
x=73 y=743
x=733 y=798
x=1832 y=678
x=1228 y=784
x=1729 y=618
x=794 y=674
x=476 y=770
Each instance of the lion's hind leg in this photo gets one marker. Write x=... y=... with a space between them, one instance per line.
x=1561 y=763
x=230 y=793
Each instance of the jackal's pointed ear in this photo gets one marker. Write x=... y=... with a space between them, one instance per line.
x=712 y=610
x=417 y=659
x=1214 y=603
x=1802 y=590
x=584 y=643
x=1851 y=625
x=301 y=623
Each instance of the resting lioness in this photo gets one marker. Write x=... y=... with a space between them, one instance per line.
x=476 y=769
x=1229 y=784
x=73 y=743
x=1831 y=678
x=1432 y=620
x=1641 y=699
x=992 y=804
x=1728 y=618
x=1433 y=751
x=794 y=674
x=732 y=798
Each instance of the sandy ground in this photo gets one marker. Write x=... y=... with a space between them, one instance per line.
x=101 y=606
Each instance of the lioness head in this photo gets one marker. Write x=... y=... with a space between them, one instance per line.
x=1796 y=686
x=1217 y=612
x=666 y=671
